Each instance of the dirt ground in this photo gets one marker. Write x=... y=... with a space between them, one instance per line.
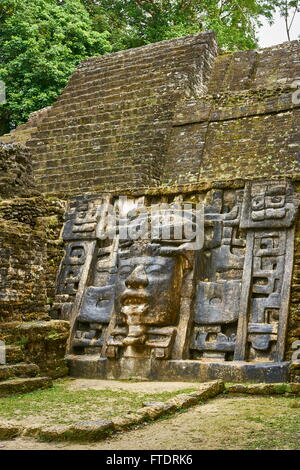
x=226 y=422
x=129 y=386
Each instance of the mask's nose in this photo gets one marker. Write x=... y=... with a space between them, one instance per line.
x=138 y=278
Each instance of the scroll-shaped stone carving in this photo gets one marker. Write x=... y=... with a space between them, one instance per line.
x=212 y=342
x=83 y=216
x=92 y=322
x=267 y=280
x=296 y=353
x=224 y=243
x=70 y=276
x=269 y=210
x=71 y=269
x=268 y=205
x=97 y=305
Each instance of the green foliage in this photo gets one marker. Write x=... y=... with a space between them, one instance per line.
x=134 y=23
x=41 y=43
x=22 y=342
x=53 y=336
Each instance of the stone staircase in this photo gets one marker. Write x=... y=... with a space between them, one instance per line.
x=17 y=376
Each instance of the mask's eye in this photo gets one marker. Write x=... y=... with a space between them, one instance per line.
x=277 y=199
x=125 y=271
x=101 y=302
x=154 y=269
x=258 y=203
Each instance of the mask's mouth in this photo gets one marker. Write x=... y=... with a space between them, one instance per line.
x=134 y=302
x=134 y=297
x=135 y=309
x=136 y=335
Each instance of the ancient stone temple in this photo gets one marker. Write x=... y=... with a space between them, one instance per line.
x=149 y=218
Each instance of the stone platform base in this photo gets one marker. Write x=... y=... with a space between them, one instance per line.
x=176 y=370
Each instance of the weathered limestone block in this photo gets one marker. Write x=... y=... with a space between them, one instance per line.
x=81 y=431
x=23 y=289
x=42 y=343
x=15 y=170
x=91 y=430
x=9 y=431
x=155 y=410
x=126 y=421
x=18 y=370
x=265 y=389
x=50 y=433
x=21 y=385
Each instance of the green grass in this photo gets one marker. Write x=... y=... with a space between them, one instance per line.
x=279 y=424
x=249 y=423
x=58 y=405
x=279 y=433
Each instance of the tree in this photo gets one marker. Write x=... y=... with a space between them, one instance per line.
x=288 y=9
x=134 y=23
x=41 y=43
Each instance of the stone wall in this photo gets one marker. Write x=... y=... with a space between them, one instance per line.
x=294 y=315
x=30 y=254
x=15 y=170
x=38 y=342
x=23 y=288
x=246 y=125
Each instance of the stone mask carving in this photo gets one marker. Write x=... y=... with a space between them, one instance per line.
x=139 y=302
x=147 y=290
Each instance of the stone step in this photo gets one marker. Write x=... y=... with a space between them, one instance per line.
x=130 y=103
x=91 y=115
x=15 y=134
x=18 y=370
x=16 y=139
x=24 y=385
x=93 y=366
x=14 y=354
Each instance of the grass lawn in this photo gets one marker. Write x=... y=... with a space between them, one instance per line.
x=62 y=405
x=227 y=422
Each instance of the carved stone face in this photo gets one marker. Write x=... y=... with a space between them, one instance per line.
x=148 y=290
